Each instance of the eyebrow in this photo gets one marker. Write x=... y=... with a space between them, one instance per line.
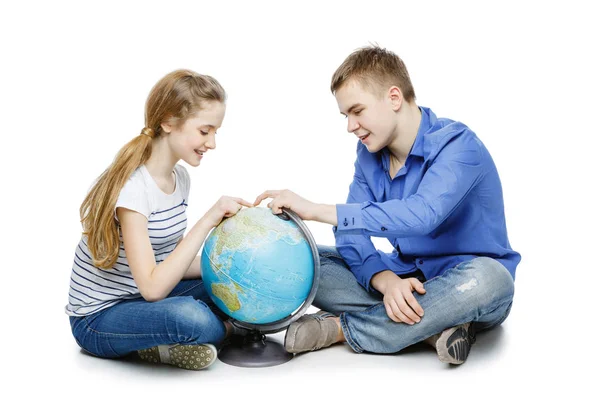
x=352 y=108
x=208 y=125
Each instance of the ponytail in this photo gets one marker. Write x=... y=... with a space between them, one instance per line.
x=174 y=99
x=98 y=208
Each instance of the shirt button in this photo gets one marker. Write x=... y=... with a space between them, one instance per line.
x=383 y=228
x=420 y=261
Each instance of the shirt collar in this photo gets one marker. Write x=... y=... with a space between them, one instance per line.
x=424 y=126
x=428 y=119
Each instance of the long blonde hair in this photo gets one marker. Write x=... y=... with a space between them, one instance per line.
x=173 y=99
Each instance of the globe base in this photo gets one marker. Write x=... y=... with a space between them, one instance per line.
x=255 y=351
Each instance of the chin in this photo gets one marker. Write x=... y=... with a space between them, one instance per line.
x=373 y=148
x=193 y=162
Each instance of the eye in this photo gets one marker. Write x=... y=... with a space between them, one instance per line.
x=204 y=133
x=357 y=112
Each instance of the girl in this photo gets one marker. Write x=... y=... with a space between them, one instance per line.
x=135 y=283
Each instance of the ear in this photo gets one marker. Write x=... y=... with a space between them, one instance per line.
x=396 y=97
x=166 y=127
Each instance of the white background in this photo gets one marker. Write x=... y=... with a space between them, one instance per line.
x=523 y=75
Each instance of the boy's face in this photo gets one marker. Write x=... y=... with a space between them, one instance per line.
x=371 y=117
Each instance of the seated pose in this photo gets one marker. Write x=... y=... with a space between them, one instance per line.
x=135 y=283
x=430 y=187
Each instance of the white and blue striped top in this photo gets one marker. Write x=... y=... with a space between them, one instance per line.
x=93 y=289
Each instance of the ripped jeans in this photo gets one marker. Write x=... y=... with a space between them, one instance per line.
x=479 y=291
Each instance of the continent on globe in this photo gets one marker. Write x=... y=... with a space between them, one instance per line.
x=257 y=267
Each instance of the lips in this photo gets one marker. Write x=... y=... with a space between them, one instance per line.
x=364 y=137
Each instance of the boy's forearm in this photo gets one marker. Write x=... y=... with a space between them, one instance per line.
x=326 y=213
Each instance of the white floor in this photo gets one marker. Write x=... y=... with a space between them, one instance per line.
x=513 y=360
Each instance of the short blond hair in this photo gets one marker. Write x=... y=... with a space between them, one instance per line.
x=376 y=69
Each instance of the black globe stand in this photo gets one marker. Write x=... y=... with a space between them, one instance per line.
x=256 y=350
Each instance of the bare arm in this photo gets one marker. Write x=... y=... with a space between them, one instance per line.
x=305 y=209
x=154 y=281
x=193 y=271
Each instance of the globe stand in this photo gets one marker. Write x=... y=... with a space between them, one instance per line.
x=254 y=351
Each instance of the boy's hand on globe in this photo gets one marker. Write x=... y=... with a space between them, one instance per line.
x=287 y=199
x=225 y=207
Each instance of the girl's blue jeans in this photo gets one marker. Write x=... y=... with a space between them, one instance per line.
x=186 y=316
x=478 y=291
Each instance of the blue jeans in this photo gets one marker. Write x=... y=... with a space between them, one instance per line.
x=478 y=291
x=185 y=317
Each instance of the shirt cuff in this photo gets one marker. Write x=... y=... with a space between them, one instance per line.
x=349 y=217
x=370 y=267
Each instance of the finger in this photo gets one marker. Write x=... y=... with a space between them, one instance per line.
x=417 y=285
x=405 y=309
x=266 y=194
x=413 y=309
x=399 y=314
x=243 y=202
x=390 y=313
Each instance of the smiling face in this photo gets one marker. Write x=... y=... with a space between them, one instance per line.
x=196 y=135
x=371 y=117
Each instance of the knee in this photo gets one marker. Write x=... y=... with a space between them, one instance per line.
x=192 y=319
x=491 y=280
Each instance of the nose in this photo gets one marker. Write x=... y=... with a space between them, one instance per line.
x=211 y=143
x=353 y=124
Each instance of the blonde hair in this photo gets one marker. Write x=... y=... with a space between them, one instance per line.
x=173 y=99
x=375 y=69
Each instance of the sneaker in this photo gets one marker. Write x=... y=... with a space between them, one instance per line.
x=311 y=332
x=454 y=344
x=187 y=356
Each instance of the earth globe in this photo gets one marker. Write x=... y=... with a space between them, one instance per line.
x=262 y=270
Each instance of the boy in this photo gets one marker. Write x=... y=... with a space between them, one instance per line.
x=428 y=185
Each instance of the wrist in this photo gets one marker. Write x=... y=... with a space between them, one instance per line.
x=325 y=213
x=209 y=221
x=381 y=280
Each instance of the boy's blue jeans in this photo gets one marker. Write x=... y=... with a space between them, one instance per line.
x=185 y=317
x=480 y=290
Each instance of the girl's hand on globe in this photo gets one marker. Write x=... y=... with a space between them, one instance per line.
x=287 y=199
x=225 y=207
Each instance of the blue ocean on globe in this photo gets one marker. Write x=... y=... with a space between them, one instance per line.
x=257 y=267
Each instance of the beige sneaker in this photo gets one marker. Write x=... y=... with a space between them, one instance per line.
x=187 y=356
x=311 y=332
x=453 y=344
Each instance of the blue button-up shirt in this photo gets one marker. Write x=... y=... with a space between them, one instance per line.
x=443 y=207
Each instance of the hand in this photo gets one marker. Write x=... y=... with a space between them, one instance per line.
x=288 y=199
x=225 y=207
x=398 y=299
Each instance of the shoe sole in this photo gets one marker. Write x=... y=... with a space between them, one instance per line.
x=187 y=356
x=453 y=346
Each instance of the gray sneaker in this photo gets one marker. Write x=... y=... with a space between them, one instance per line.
x=454 y=344
x=311 y=332
x=188 y=356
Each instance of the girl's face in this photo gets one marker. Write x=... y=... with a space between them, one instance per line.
x=196 y=136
